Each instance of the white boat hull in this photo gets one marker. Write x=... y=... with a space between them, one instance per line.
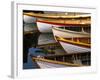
x=68 y=34
x=45 y=27
x=29 y=19
x=44 y=65
x=72 y=48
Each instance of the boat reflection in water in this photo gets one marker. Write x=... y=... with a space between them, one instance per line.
x=29 y=27
x=46 y=38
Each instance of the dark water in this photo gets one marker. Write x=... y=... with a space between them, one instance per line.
x=28 y=41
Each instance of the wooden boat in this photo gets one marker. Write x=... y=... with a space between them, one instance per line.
x=45 y=60
x=45 y=25
x=47 y=63
x=60 y=61
x=56 y=15
x=29 y=19
x=71 y=31
x=75 y=45
x=47 y=20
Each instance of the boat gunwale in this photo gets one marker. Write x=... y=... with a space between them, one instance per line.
x=62 y=24
x=73 y=42
x=56 y=16
x=74 y=32
x=57 y=62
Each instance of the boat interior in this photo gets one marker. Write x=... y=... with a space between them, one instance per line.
x=84 y=41
x=73 y=60
x=84 y=29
